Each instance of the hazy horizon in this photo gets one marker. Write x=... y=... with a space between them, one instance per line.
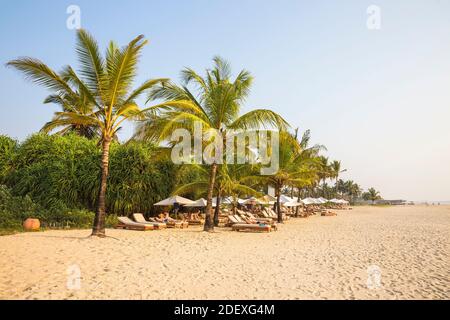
x=379 y=100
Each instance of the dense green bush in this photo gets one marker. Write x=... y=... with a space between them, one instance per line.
x=15 y=209
x=61 y=172
x=8 y=149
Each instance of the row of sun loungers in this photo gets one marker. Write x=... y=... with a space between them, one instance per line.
x=264 y=220
x=238 y=224
x=141 y=224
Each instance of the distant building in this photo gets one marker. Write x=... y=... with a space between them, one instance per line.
x=391 y=202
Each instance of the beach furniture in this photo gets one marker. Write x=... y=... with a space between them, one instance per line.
x=170 y=222
x=252 y=217
x=194 y=219
x=127 y=223
x=237 y=224
x=251 y=227
x=139 y=218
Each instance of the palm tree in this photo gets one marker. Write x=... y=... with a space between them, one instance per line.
x=336 y=170
x=233 y=180
x=215 y=103
x=372 y=195
x=98 y=100
x=297 y=167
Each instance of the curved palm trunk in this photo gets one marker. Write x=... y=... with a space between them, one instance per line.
x=336 y=185
x=98 y=228
x=280 y=216
x=217 y=210
x=209 y=223
x=297 y=208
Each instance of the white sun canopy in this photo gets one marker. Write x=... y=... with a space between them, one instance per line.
x=200 y=203
x=172 y=200
x=252 y=200
x=286 y=199
x=309 y=201
x=292 y=204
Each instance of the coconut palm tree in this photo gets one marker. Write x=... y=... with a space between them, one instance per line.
x=97 y=100
x=297 y=167
x=233 y=180
x=372 y=195
x=215 y=102
x=336 y=170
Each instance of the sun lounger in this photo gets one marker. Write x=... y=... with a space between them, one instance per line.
x=127 y=223
x=237 y=223
x=192 y=220
x=139 y=218
x=251 y=216
x=328 y=214
x=171 y=223
x=251 y=227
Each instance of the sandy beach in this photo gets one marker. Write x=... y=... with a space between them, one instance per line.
x=314 y=258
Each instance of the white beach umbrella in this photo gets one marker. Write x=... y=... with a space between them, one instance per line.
x=309 y=201
x=319 y=201
x=252 y=201
x=172 y=200
x=200 y=203
x=292 y=204
x=285 y=199
x=267 y=199
x=335 y=200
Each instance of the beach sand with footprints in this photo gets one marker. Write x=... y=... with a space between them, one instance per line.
x=365 y=253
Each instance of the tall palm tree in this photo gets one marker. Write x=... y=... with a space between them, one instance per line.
x=336 y=170
x=233 y=180
x=372 y=195
x=97 y=100
x=215 y=103
x=297 y=167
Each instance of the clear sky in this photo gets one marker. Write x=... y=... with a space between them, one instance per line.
x=378 y=99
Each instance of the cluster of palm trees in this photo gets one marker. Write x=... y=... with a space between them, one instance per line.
x=96 y=100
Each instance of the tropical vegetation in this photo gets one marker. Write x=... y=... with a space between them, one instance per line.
x=77 y=165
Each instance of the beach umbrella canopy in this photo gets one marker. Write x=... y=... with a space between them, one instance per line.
x=323 y=200
x=292 y=204
x=335 y=200
x=267 y=199
x=197 y=203
x=319 y=201
x=172 y=200
x=252 y=201
x=309 y=201
x=285 y=199
x=223 y=200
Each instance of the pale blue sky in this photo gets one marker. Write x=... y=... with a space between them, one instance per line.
x=379 y=100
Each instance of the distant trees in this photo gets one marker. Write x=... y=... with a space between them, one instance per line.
x=371 y=195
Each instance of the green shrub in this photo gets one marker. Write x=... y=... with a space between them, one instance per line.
x=8 y=149
x=14 y=210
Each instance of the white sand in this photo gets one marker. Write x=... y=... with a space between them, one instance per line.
x=314 y=258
